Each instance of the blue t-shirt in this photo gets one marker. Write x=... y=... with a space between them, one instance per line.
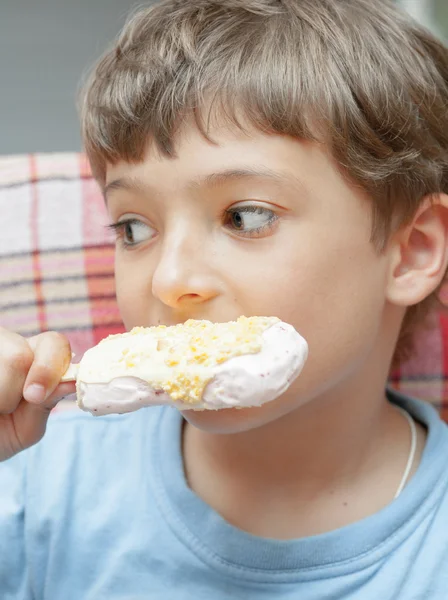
x=100 y=509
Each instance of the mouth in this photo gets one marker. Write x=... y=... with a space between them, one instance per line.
x=182 y=319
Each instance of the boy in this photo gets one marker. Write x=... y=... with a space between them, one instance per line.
x=258 y=157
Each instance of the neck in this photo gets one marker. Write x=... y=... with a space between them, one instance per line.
x=337 y=459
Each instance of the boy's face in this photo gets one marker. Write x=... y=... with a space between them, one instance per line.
x=255 y=225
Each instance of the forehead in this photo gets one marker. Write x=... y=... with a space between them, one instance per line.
x=224 y=155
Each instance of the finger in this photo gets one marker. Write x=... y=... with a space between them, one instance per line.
x=52 y=355
x=62 y=390
x=16 y=358
x=30 y=420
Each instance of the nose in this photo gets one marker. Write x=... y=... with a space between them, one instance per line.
x=184 y=275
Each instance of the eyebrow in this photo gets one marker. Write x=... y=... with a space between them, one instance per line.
x=211 y=180
x=222 y=177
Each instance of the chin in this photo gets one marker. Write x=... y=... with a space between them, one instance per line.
x=225 y=421
x=235 y=420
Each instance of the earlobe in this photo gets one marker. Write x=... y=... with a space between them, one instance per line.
x=419 y=254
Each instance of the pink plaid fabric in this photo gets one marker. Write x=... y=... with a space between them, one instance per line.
x=425 y=376
x=56 y=267
x=56 y=255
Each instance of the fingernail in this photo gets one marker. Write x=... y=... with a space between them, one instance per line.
x=35 y=393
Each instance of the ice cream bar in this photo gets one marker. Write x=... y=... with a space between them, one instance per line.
x=197 y=365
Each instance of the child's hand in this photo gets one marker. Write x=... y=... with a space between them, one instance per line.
x=30 y=371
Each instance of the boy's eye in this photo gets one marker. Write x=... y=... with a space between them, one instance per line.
x=132 y=232
x=250 y=220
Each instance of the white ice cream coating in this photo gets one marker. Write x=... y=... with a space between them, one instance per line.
x=251 y=379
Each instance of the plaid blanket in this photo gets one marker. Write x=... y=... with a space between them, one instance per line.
x=56 y=267
x=56 y=256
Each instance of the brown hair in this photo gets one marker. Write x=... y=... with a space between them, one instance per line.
x=373 y=81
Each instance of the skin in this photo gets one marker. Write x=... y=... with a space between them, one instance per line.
x=329 y=451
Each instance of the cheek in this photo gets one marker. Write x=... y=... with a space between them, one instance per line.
x=337 y=304
x=132 y=288
x=331 y=291
x=310 y=282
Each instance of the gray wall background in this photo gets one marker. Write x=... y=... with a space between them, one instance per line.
x=45 y=47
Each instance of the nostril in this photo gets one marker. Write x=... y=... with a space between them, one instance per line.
x=189 y=297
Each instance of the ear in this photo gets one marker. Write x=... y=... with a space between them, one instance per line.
x=419 y=254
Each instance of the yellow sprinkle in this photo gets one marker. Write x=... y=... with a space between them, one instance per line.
x=171 y=363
